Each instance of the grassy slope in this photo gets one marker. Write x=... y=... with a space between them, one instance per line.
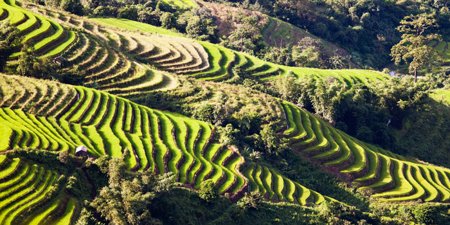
x=441 y=95
x=182 y=4
x=280 y=33
x=135 y=26
x=151 y=135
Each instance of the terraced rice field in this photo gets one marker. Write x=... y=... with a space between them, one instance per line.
x=88 y=52
x=158 y=141
x=47 y=37
x=276 y=187
x=172 y=53
x=55 y=117
x=32 y=194
x=388 y=176
x=107 y=55
x=223 y=61
x=206 y=61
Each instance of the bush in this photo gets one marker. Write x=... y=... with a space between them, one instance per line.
x=200 y=24
x=128 y=12
x=430 y=214
x=250 y=201
x=73 y=6
x=167 y=20
x=247 y=37
x=208 y=191
x=105 y=11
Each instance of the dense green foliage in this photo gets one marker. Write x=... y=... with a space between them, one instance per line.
x=366 y=28
x=388 y=113
x=417 y=32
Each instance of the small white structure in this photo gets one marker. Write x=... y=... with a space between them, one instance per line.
x=392 y=73
x=81 y=151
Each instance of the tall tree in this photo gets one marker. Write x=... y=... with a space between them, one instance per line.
x=414 y=47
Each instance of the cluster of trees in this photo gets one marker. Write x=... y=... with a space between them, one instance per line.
x=247 y=37
x=308 y=52
x=364 y=27
x=368 y=113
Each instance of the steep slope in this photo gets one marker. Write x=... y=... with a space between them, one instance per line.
x=100 y=65
x=157 y=141
x=387 y=176
x=31 y=193
x=229 y=65
x=201 y=60
x=47 y=37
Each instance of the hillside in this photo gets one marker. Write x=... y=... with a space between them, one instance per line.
x=209 y=134
x=275 y=32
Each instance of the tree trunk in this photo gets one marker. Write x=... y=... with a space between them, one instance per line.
x=415 y=75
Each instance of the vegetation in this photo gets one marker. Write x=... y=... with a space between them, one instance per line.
x=413 y=48
x=186 y=114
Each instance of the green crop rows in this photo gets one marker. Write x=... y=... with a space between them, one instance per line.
x=47 y=37
x=118 y=60
x=390 y=177
x=32 y=194
x=216 y=63
x=157 y=141
x=276 y=187
x=102 y=67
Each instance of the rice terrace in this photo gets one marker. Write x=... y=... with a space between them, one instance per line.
x=224 y=112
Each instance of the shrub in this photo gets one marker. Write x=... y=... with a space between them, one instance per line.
x=247 y=37
x=167 y=20
x=250 y=201
x=128 y=12
x=105 y=11
x=208 y=191
x=430 y=214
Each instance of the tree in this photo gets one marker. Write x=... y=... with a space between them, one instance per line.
x=127 y=197
x=10 y=40
x=247 y=36
x=28 y=61
x=199 y=24
x=31 y=65
x=413 y=48
x=250 y=200
x=166 y=20
x=73 y=6
x=306 y=57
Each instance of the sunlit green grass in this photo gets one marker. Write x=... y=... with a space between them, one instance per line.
x=441 y=95
x=135 y=26
x=181 y=4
